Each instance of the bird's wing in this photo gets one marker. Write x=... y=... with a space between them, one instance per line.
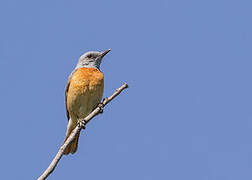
x=66 y=91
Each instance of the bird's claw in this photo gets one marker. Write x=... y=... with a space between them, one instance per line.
x=101 y=106
x=82 y=124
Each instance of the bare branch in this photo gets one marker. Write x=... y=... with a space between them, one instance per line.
x=78 y=128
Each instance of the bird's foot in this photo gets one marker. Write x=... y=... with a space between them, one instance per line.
x=101 y=106
x=81 y=124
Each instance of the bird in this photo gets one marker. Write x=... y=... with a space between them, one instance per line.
x=84 y=91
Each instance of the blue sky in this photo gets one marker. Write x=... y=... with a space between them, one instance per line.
x=186 y=115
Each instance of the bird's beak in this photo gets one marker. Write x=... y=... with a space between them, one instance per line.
x=105 y=52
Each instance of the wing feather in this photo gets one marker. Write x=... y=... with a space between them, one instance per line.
x=66 y=92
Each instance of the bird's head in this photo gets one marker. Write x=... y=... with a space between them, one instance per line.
x=91 y=59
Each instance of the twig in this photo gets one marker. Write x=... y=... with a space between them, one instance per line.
x=78 y=128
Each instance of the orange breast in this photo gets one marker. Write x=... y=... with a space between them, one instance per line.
x=85 y=91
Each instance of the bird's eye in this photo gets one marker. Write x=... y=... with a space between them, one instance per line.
x=89 y=56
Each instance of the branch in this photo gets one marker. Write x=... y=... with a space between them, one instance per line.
x=78 y=128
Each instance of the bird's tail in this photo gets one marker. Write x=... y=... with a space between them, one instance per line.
x=72 y=147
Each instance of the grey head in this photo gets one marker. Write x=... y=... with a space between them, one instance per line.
x=91 y=59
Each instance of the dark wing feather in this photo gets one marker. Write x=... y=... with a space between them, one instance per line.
x=66 y=91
